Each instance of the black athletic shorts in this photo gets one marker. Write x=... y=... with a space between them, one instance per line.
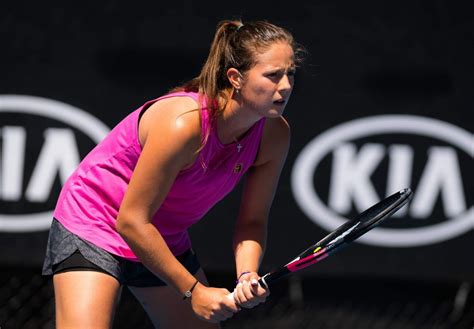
x=67 y=252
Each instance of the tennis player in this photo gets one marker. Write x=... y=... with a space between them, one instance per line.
x=122 y=217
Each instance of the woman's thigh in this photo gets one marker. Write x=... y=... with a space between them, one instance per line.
x=167 y=309
x=85 y=299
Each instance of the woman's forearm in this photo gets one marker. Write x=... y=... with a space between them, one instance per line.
x=249 y=246
x=149 y=246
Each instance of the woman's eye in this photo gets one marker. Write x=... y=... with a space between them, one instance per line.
x=278 y=74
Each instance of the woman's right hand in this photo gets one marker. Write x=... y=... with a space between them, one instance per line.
x=213 y=304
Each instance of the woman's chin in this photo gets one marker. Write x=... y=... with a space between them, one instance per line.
x=276 y=112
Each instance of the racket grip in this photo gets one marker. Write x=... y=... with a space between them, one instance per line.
x=261 y=282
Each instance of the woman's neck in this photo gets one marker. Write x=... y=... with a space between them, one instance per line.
x=234 y=121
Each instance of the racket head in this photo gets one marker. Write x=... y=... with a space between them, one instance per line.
x=379 y=212
x=361 y=224
x=343 y=235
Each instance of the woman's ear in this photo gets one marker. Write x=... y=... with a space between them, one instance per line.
x=235 y=78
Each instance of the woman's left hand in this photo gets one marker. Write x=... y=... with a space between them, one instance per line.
x=248 y=293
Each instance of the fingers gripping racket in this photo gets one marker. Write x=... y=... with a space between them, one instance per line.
x=341 y=237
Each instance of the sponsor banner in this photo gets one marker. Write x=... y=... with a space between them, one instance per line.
x=353 y=164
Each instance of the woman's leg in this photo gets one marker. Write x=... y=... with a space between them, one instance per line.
x=168 y=310
x=85 y=299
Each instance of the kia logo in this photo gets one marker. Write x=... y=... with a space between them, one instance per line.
x=58 y=155
x=351 y=182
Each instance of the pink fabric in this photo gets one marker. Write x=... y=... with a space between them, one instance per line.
x=90 y=199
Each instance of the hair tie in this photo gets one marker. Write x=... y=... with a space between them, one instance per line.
x=238 y=27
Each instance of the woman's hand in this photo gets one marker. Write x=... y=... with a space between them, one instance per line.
x=213 y=304
x=248 y=293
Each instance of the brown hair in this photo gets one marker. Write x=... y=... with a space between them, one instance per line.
x=235 y=45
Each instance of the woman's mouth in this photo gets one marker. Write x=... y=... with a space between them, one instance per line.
x=280 y=101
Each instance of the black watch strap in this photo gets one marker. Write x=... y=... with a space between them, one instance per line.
x=189 y=293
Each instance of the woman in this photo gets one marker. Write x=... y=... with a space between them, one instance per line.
x=122 y=216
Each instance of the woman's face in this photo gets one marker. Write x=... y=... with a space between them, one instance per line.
x=268 y=84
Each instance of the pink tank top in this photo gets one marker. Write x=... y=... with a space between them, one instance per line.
x=90 y=199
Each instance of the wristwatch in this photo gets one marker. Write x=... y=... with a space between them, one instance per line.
x=189 y=293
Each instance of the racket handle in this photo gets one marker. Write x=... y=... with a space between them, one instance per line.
x=261 y=282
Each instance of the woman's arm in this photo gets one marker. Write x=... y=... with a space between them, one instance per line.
x=251 y=226
x=170 y=136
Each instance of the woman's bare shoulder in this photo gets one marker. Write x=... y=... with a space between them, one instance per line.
x=178 y=114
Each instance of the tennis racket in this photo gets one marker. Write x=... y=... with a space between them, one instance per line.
x=341 y=237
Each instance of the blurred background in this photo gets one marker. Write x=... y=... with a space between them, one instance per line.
x=383 y=101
